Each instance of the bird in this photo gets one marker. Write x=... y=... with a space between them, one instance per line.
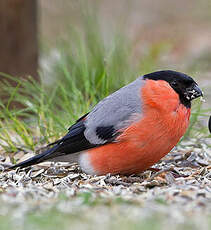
x=209 y=124
x=131 y=129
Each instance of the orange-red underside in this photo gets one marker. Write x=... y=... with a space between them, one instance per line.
x=163 y=122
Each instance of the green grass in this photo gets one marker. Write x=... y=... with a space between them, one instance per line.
x=88 y=69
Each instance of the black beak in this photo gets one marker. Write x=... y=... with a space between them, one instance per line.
x=193 y=92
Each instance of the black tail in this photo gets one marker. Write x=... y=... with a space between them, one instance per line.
x=74 y=141
x=48 y=154
x=209 y=124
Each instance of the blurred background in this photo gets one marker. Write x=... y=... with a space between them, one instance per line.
x=176 y=35
x=98 y=46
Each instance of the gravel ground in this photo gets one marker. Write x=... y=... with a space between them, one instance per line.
x=179 y=194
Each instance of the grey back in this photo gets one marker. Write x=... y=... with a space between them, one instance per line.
x=118 y=110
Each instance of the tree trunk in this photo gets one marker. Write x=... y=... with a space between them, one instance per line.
x=18 y=38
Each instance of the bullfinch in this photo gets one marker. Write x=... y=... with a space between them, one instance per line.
x=129 y=130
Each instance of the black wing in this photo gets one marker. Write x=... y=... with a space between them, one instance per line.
x=74 y=141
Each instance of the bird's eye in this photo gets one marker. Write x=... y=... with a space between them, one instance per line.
x=174 y=83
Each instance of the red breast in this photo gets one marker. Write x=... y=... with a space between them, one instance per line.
x=163 y=122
